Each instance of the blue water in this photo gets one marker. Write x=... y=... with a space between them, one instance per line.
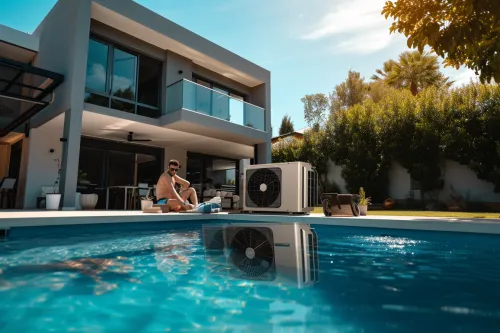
x=370 y=280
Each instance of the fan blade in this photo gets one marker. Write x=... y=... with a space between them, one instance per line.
x=141 y=140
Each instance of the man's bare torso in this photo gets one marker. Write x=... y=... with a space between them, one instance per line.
x=163 y=188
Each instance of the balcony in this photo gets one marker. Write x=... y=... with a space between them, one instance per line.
x=187 y=95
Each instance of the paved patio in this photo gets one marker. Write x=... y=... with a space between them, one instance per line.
x=30 y=218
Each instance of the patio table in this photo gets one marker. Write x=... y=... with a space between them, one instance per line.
x=126 y=188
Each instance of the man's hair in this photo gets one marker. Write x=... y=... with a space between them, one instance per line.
x=174 y=163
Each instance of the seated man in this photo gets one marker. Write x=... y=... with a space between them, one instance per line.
x=166 y=193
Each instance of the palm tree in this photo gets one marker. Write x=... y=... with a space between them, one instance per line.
x=414 y=71
x=382 y=73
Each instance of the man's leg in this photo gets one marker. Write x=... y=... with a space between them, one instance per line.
x=191 y=194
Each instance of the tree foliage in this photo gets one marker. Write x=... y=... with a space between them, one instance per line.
x=418 y=132
x=413 y=70
x=463 y=32
x=286 y=125
x=349 y=93
x=315 y=106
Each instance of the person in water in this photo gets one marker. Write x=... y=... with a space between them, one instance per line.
x=166 y=193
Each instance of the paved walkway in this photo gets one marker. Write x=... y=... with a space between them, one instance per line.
x=25 y=218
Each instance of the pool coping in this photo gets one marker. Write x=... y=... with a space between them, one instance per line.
x=39 y=218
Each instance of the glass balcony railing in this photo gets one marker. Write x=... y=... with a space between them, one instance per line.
x=194 y=97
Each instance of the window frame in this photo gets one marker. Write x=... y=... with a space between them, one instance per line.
x=109 y=77
x=214 y=85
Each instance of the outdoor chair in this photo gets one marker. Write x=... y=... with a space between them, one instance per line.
x=7 y=192
x=335 y=204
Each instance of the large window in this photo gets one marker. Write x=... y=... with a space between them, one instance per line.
x=122 y=79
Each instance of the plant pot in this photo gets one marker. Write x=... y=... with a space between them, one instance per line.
x=145 y=204
x=88 y=201
x=52 y=201
x=363 y=209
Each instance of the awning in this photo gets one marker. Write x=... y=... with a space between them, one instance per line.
x=25 y=90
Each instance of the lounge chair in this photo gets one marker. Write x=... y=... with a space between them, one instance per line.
x=335 y=204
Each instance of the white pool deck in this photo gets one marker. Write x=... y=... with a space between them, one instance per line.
x=26 y=218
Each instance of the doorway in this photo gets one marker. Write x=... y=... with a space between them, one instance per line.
x=106 y=163
x=212 y=172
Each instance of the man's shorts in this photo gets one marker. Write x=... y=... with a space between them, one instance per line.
x=162 y=202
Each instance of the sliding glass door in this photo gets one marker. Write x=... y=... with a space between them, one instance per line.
x=212 y=172
x=106 y=163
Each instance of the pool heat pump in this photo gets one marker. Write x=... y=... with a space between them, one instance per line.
x=280 y=187
x=276 y=252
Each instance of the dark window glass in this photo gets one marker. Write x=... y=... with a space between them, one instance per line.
x=124 y=75
x=96 y=99
x=121 y=168
x=149 y=81
x=122 y=106
x=97 y=66
x=147 y=112
x=92 y=163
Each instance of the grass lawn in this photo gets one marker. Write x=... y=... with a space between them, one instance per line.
x=427 y=213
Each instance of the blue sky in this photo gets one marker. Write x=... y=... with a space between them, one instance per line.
x=307 y=45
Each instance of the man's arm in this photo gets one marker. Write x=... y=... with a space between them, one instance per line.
x=184 y=183
x=170 y=184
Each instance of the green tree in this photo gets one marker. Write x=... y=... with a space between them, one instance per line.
x=384 y=72
x=286 y=125
x=463 y=32
x=348 y=93
x=315 y=106
x=356 y=147
x=471 y=136
x=413 y=70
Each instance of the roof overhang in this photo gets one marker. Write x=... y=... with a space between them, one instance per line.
x=144 y=24
x=17 y=45
x=24 y=91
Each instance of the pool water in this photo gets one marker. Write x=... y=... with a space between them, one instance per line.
x=370 y=280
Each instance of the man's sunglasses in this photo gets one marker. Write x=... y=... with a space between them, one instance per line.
x=174 y=169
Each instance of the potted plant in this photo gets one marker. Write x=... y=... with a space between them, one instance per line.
x=52 y=200
x=146 y=202
x=88 y=199
x=363 y=202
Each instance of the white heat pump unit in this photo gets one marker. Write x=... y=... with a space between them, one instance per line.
x=263 y=252
x=280 y=187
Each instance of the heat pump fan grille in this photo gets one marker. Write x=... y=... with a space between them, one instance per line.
x=252 y=251
x=263 y=187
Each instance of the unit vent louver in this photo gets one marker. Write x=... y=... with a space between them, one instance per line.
x=263 y=187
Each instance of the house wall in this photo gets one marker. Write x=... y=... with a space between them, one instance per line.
x=179 y=155
x=63 y=36
x=399 y=181
x=41 y=167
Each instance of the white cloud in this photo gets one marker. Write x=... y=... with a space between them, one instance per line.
x=461 y=76
x=360 y=24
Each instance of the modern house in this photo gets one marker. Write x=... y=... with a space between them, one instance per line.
x=114 y=91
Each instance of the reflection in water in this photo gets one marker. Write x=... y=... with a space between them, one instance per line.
x=255 y=277
x=278 y=253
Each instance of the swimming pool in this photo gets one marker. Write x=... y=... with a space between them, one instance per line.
x=179 y=278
